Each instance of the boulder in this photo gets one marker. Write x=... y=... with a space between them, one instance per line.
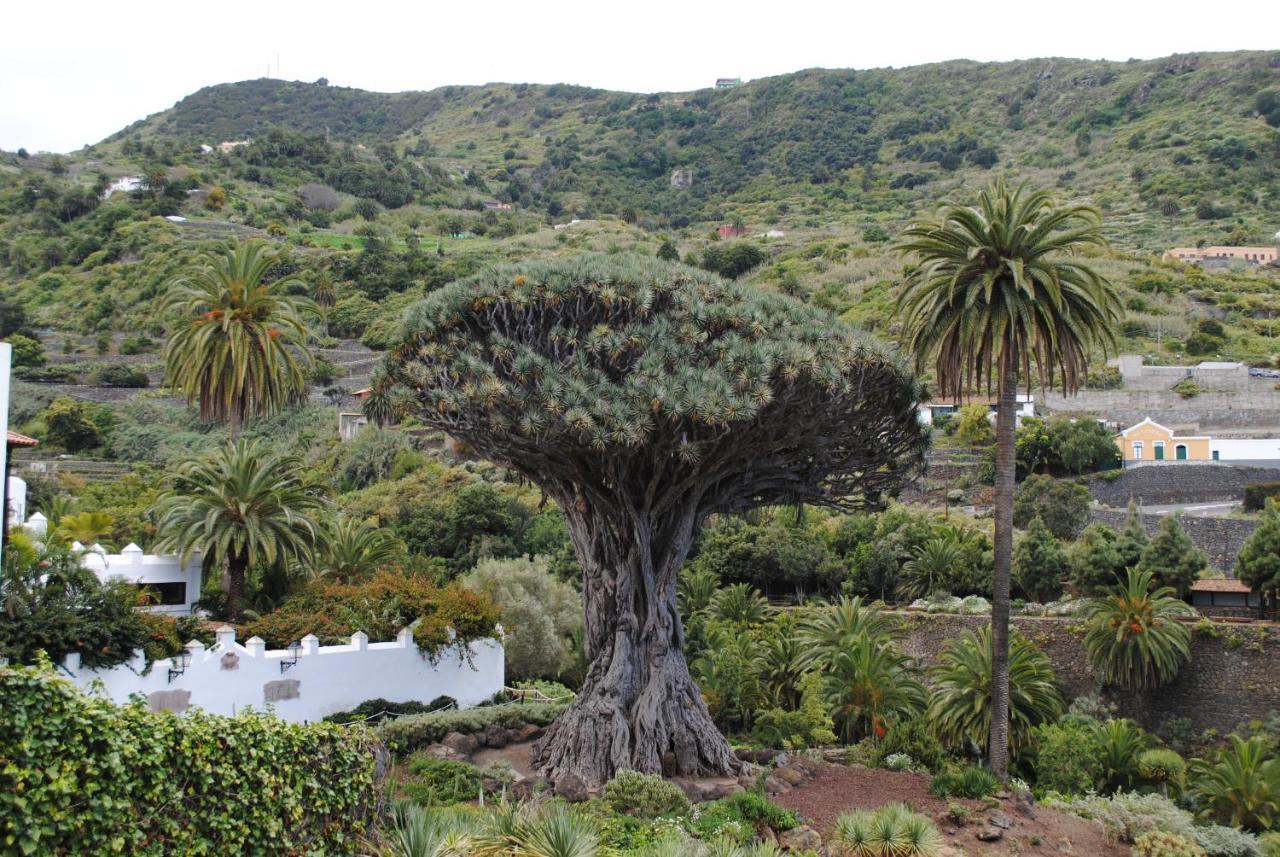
x=990 y=834
x=528 y=732
x=775 y=786
x=802 y=838
x=494 y=736
x=791 y=775
x=1024 y=803
x=464 y=745
x=1000 y=819
x=442 y=751
x=572 y=788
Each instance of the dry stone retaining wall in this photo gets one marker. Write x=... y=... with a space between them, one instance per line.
x=1232 y=676
x=1220 y=538
x=1178 y=483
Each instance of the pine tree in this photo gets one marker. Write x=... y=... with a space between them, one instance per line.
x=1258 y=563
x=1173 y=558
x=1039 y=563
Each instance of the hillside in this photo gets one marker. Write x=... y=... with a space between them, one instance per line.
x=395 y=194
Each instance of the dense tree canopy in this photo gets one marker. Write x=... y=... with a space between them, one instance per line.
x=643 y=397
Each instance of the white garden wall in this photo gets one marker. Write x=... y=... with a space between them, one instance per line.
x=228 y=677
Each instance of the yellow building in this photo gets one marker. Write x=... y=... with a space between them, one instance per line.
x=1150 y=441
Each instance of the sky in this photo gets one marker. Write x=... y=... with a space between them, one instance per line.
x=75 y=72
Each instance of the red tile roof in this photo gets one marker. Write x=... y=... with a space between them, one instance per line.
x=12 y=438
x=1219 y=586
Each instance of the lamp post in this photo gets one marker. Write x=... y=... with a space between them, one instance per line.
x=181 y=661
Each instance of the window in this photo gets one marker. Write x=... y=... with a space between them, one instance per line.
x=1137 y=450
x=1159 y=449
x=167 y=594
x=1215 y=455
x=1180 y=452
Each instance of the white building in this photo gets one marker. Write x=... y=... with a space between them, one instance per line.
x=931 y=410
x=174 y=584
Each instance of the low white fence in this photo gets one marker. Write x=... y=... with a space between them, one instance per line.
x=305 y=685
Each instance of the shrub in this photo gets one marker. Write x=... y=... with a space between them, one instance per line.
x=403 y=735
x=369 y=457
x=745 y=811
x=1128 y=815
x=892 y=829
x=1066 y=758
x=27 y=352
x=913 y=738
x=970 y=782
x=644 y=795
x=808 y=726
x=84 y=776
x=440 y=782
x=1160 y=767
x=1241 y=787
x=1220 y=841
x=1257 y=494
x=1269 y=844
x=118 y=376
x=1063 y=505
x=897 y=762
x=973 y=425
x=1187 y=388
x=70 y=426
x=540 y=614
x=373 y=711
x=1157 y=844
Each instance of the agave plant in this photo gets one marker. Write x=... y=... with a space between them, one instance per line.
x=1240 y=788
x=893 y=830
x=959 y=709
x=1134 y=638
x=415 y=832
x=530 y=830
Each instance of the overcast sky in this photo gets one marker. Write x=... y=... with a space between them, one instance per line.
x=73 y=73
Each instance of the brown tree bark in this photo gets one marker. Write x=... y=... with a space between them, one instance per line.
x=1006 y=466
x=237 y=565
x=638 y=702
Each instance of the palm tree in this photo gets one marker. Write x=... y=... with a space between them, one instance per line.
x=1134 y=638
x=826 y=633
x=325 y=294
x=85 y=527
x=241 y=505
x=1242 y=788
x=929 y=567
x=740 y=602
x=996 y=288
x=237 y=343
x=959 y=709
x=869 y=684
x=352 y=547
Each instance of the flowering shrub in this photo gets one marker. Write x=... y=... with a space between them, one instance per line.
x=83 y=776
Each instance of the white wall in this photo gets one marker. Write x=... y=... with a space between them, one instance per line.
x=141 y=569
x=227 y=677
x=5 y=351
x=1254 y=449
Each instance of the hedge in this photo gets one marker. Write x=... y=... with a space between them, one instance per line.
x=79 y=775
x=407 y=734
x=1257 y=494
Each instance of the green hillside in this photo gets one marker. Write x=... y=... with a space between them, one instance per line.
x=398 y=193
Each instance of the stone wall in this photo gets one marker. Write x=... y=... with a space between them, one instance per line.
x=1231 y=677
x=1254 y=409
x=1177 y=483
x=1220 y=538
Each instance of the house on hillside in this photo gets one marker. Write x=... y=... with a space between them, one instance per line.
x=728 y=82
x=728 y=230
x=1224 y=598
x=1218 y=257
x=934 y=408
x=1149 y=442
x=493 y=205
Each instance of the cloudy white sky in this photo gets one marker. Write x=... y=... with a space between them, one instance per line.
x=73 y=72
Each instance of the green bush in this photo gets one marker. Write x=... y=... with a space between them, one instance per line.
x=644 y=795
x=27 y=352
x=540 y=613
x=741 y=814
x=1128 y=815
x=1220 y=841
x=1066 y=758
x=84 y=776
x=970 y=782
x=1157 y=844
x=374 y=711
x=440 y=782
x=1269 y=844
x=1160 y=767
x=1257 y=494
x=118 y=376
x=914 y=738
x=404 y=735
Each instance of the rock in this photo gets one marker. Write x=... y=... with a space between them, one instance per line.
x=745 y=754
x=802 y=838
x=528 y=732
x=572 y=788
x=440 y=751
x=836 y=755
x=464 y=745
x=768 y=836
x=805 y=763
x=990 y=834
x=775 y=786
x=1064 y=846
x=791 y=775
x=747 y=778
x=1024 y=803
x=512 y=736
x=495 y=736
x=1000 y=819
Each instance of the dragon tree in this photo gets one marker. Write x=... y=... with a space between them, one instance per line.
x=643 y=397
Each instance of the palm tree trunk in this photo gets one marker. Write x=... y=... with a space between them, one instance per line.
x=237 y=564
x=1006 y=463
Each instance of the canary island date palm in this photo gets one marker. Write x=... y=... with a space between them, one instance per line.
x=643 y=397
x=1134 y=638
x=240 y=505
x=237 y=345
x=994 y=292
x=1241 y=787
x=352 y=547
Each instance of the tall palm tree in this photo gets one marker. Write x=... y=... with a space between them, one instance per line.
x=996 y=288
x=325 y=295
x=1133 y=636
x=241 y=504
x=237 y=343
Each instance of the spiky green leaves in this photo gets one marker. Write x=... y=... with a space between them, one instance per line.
x=605 y=370
x=1135 y=640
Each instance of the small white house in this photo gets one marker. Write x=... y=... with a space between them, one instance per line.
x=175 y=584
x=929 y=411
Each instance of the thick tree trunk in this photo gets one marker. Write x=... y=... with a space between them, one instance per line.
x=1006 y=464
x=638 y=703
x=236 y=566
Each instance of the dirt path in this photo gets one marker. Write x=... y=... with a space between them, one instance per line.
x=836 y=789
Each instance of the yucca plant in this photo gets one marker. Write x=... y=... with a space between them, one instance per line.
x=1134 y=638
x=533 y=831
x=415 y=832
x=1241 y=787
x=959 y=708
x=893 y=830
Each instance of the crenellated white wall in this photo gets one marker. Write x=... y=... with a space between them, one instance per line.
x=227 y=677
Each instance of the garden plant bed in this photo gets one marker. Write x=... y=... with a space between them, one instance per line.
x=835 y=789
